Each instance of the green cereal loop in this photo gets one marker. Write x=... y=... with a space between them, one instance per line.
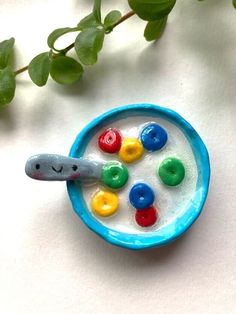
x=114 y=174
x=171 y=171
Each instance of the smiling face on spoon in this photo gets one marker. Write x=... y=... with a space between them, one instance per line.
x=52 y=167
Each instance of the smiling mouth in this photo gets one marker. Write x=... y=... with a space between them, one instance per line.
x=57 y=171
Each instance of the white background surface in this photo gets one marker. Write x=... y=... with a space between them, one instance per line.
x=50 y=262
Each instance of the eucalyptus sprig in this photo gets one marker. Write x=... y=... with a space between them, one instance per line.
x=90 y=33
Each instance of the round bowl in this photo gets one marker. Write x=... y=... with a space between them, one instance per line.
x=184 y=220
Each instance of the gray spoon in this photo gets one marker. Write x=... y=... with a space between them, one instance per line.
x=52 y=167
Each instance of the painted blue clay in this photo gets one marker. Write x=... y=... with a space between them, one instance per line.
x=153 y=137
x=185 y=218
x=72 y=168
x=141 y=196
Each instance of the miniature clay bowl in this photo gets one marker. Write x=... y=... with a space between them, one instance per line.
x=186 y=217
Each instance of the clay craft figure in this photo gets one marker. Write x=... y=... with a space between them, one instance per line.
x=138 y=175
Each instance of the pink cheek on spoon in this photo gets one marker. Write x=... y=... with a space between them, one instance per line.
x=75 y=176
x=38 y=175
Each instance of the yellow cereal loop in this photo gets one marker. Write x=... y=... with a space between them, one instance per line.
x=105 y=203
x=131 y=150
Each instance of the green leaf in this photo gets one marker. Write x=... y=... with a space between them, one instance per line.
x=151 y=10
x=87 y=45
x=65 y=70
x=58 y=33
x=234 y=3
x=97 y=10
x=155 y=29
x=6 y=49
x=7 y=85
x=111 y=18
x=39 y=69
x=88 y=22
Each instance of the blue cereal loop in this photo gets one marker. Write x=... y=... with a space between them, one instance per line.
x=141 y=196
x=153 y=137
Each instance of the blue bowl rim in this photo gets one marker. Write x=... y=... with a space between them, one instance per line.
x=177 y=227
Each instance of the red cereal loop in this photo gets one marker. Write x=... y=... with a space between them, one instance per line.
x=146 y=217
x=110 y=141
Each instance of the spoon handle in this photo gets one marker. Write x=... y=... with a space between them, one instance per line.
x=52 y=167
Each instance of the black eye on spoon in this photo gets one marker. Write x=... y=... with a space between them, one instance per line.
x=37 y=166
x=74 y=167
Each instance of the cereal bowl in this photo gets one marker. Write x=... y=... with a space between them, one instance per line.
x=178 y=206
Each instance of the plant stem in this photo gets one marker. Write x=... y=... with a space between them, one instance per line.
x=21 y=70
x=124 y=17
x=65 y=50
